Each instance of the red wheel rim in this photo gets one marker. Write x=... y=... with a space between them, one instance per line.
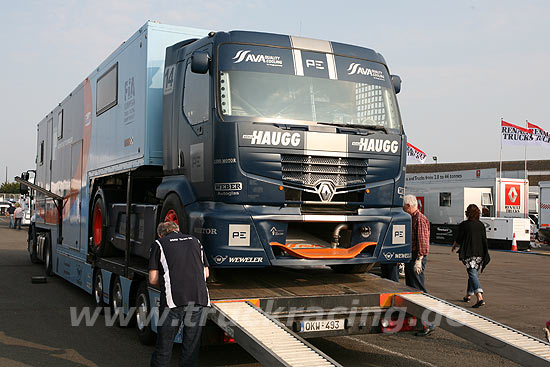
x=97 y=226
x=171 y=216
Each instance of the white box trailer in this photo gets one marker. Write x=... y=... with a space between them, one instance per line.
x=544 y=211
x=444 y=196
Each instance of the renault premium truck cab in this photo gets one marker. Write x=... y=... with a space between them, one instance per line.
x=271 y=149
x=284 y=151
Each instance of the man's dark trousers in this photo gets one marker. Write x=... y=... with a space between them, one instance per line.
x=411 y=278
x=191 y=318
x=390 y=271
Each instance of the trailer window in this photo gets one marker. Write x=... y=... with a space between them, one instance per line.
x=60 y=125
x=445 y=199
x=195 y=96
x=107 y=90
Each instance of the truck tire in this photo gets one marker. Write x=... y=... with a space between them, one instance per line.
x=143 y=315
x=97 y=291
x=32 y=245
x=48 y=265
x=352 y=268
x=172 y=211
x=99 y=226
x=117 y=303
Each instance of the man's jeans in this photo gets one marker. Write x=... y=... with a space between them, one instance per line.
x=411 y=278
x=390 y=271
x=17 y=223
x=191 y=317
x=474 y=286
x=12 y=225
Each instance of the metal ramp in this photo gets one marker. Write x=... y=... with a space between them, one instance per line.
x=266 y=339
x=501 y=339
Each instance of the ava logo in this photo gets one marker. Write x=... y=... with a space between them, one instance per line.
x=388 y=255
x=355 y=68
x=248 y=56
x=325 y=190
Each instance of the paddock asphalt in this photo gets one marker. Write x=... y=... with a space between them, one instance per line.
x=35 y=328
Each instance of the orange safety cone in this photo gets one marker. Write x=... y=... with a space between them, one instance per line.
x=514 y=243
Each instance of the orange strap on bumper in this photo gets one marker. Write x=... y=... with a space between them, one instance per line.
x=319 y=252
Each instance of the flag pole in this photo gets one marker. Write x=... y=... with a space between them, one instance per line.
x=500 y=170
x=527 y=124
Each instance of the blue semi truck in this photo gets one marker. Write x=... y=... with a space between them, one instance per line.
x=273 y=150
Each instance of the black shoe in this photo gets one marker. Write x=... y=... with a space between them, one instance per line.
x=479 y=304
x=427 y=330
x=466 y=299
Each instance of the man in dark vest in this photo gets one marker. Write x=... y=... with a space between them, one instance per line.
x=178 y=265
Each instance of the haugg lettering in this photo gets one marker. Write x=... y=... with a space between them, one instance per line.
x=260 y=137
x=377 y=145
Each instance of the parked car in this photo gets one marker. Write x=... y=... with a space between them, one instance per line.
x=4 y=205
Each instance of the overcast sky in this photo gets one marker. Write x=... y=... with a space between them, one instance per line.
x=464 y=64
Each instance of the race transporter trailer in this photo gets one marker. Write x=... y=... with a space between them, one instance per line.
x=271 y=149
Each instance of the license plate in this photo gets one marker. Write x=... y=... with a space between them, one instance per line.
x=322 y=325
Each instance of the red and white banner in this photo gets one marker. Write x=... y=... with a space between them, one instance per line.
x=541 y=137
x=414 y=154
x=516 y=135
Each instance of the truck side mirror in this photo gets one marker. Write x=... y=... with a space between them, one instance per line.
x=200 y=62
x=23 y=189
x=25 y=176
x=396 y=82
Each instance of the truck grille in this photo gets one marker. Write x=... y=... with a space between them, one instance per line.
x=310 y=170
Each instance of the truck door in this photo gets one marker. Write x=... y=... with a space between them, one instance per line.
x=71 y=222
x=195 y=127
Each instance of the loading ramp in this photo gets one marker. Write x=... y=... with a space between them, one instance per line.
x=498 y=338
x=266 y=339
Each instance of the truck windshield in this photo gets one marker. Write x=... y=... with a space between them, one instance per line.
x=322 y=100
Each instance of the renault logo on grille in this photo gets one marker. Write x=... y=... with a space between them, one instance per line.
x=325 y=190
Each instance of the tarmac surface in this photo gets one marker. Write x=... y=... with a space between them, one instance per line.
x=35 y=328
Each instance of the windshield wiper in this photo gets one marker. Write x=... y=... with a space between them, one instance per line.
x=360 y=126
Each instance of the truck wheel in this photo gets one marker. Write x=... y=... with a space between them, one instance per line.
x=172 y=211
x=97 y=292
x=48 y=268
x=117 y=303
x=352 y=268
x=143 y=315
x=100 y=245
x=32 y=246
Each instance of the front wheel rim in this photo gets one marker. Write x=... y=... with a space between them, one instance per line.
x=97 y=226
x=171 y=216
